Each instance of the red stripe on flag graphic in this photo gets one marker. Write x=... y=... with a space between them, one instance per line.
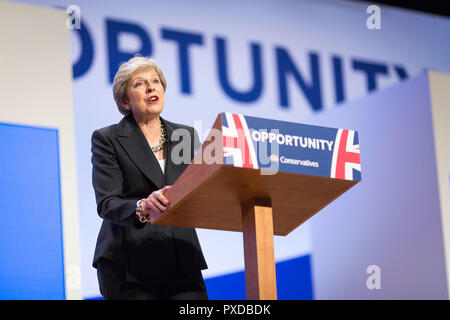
x=346 y=157
x=239 y=142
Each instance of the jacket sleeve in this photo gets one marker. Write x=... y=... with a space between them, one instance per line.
x=107 y=181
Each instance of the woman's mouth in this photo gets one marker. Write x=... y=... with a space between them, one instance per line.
x=152 y=99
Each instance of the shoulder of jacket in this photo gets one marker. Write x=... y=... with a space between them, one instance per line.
x=107 y=131
x=175 y=125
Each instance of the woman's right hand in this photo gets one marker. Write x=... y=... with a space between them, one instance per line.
x=156 y=202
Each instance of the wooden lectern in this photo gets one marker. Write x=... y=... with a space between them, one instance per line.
x=214 y=195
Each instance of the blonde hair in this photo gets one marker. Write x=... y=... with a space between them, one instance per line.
x=124 y=75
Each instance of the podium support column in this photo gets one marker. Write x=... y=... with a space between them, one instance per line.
x=260 y=277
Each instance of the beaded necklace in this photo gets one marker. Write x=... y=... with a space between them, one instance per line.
x=160 y=145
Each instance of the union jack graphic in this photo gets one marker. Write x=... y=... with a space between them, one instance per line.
x=345 y=155
x=237 y=142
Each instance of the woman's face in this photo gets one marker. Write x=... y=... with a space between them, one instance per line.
x=145 y=93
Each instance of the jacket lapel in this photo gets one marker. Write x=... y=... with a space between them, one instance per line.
x=172 y=171
x=133 y=141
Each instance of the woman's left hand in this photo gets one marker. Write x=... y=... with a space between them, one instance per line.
x=156 y=202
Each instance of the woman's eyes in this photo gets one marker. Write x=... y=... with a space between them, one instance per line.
x=137 y=84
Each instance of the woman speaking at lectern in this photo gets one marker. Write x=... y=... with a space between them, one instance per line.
x=132 y=170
